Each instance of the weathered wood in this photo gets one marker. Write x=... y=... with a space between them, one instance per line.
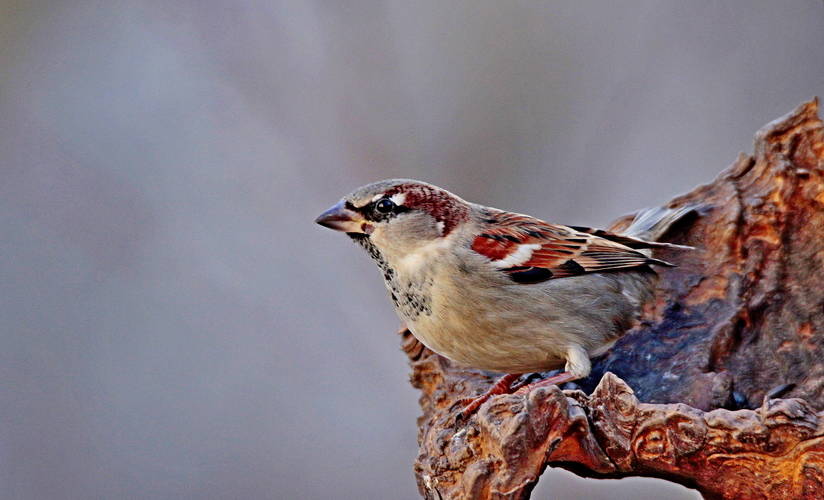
x=690 y=394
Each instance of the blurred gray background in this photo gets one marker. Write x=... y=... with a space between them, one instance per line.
x=172 y=323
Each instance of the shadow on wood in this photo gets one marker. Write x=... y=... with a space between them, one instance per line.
x=690 y=394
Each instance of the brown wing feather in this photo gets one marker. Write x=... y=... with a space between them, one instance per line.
x=560 y=250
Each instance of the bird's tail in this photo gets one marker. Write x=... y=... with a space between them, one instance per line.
x=647 y=227
x=651 y=224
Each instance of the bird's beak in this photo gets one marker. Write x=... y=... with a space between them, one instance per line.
x=342 y=219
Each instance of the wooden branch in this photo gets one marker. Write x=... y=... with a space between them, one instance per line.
x=689 y=395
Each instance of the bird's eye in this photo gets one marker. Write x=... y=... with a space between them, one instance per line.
x=384 y=206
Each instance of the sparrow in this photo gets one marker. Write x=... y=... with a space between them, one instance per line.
x=501 y=291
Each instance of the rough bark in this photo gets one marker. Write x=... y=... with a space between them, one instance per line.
x=690 y=394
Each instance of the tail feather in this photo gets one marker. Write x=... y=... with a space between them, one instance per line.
x=645 y=229
x=651 y=224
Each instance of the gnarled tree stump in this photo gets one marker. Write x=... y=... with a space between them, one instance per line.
x=691 y=394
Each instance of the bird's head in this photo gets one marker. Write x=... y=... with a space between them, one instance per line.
x=397 y=216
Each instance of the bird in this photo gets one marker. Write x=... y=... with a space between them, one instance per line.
x=501 y=291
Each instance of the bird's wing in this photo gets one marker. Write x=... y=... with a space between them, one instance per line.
x=531 y=250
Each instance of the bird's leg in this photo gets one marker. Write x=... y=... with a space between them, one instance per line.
x=577 y=366
x=502 y=386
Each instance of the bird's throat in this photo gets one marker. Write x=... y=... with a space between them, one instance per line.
x=410 y=297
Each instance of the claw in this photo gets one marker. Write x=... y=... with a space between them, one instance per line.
x=558 y=380
x=471 y=405
x=506 y=385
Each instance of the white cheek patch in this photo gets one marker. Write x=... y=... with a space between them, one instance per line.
x=422 y=256
x=518 y=257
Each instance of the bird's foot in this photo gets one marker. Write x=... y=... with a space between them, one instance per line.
x=507 y=385
x=559 y=379
x=502 y=386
